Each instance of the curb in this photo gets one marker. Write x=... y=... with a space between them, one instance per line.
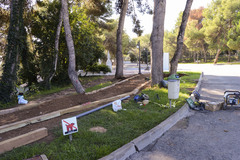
x=147 y=138
x=198 y=86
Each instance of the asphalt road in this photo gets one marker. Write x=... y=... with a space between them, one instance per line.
x=204 y=135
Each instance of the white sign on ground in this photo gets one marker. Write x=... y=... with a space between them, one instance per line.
x=116 y=105
x=69 y=126
x=166 y=62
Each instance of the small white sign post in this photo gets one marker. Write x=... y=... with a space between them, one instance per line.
x=69 y=126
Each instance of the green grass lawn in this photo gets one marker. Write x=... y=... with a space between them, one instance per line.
x=122 y=127
x=102 y=85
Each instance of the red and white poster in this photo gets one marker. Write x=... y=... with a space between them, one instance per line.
x=69 y=126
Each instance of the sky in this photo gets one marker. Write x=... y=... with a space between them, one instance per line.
x=173 y=8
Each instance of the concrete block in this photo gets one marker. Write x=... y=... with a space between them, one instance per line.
x=214 y=106
x=44 y=157
x=121 y=153
x=40 y=157
x=21 y=140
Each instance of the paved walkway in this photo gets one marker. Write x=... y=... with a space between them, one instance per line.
x=205 y=135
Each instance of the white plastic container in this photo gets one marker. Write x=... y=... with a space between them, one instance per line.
x=173 y=88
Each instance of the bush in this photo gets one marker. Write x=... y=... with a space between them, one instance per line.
x=96 y=68
x=104 y=68
x=133 y=57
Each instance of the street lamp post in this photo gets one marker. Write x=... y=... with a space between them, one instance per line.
x=139 y=57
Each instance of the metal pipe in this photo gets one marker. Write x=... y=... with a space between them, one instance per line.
x=96 y=109
x=70 y=137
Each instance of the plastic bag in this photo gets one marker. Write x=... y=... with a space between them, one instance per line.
x=21 y=100
x=117 y=105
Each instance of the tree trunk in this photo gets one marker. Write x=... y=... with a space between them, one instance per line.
x=178 y=52
x=197 y=57
x=119 y=55
x=71 y=51
x=157 y=42
x=53 y=70
x=216 y=57
x=14 y=49
x=237 y=55
x=190 y=55
x=229 y=55
x=204 y=53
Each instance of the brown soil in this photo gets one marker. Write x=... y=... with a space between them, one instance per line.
x=63 y=100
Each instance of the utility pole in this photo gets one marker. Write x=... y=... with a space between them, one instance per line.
x=139 y=57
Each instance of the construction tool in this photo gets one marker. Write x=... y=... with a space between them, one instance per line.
x=231 y=98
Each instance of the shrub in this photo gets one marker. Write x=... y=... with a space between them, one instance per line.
x=104 y=68
x=133 y=57
x=96 y=68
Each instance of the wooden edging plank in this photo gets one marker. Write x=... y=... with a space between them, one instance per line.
x=21 y=140
x=12 y=126
x=84 y=106
x=112 y=85
x=81 y=107
x=34 y=104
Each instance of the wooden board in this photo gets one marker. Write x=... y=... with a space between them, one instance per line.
x=21 y=140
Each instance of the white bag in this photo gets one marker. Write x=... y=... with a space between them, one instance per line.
x=21 y=100
x=116 y=105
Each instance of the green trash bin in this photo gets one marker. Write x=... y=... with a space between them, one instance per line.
x=173 y=86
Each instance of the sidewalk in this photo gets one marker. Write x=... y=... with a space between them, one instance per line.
x=204 y=135
x=128 y=69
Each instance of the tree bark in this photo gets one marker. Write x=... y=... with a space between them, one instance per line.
x=14 y=50
x=229 y=55
x=205 y=53
x=119 y=55
x=58 y=31
x=216 y=57
x=194 y=57
x=71 y=51
x=180 y=38
x=157 y=42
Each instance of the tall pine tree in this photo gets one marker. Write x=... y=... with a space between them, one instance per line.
x=16 y=46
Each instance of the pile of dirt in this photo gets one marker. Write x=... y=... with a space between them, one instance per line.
x=63 y=102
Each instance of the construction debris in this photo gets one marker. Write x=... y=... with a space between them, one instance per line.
x=213 y=106
x=117 y=105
